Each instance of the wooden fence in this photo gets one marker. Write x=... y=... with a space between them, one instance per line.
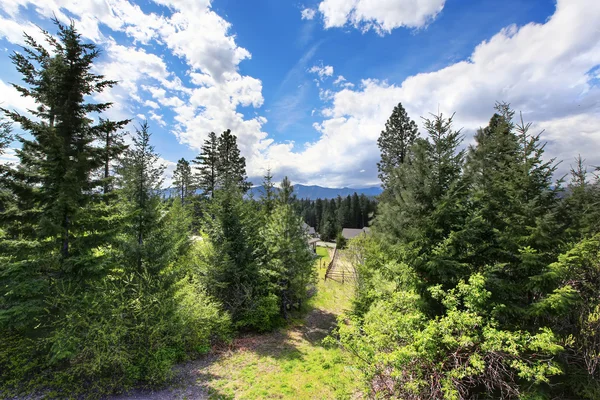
x=341 y=275
x=330 y=265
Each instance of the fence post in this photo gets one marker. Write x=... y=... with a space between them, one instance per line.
x=342 y=276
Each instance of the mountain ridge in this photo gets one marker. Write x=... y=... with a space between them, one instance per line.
x=314 y=192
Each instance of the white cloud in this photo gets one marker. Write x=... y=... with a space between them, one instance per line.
x=322 y=71
x=308 y=13
x=192 y=31
x=158 y=118
x=341 y=81
x=168 y=173
x=382 y=16
x=151 y=104
x=544 y=70
x=11 y=99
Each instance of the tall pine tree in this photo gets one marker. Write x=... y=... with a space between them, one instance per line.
x=207 y=162
x=231 y=166
x=394 y=142
x=183 y=180
x=57 y=222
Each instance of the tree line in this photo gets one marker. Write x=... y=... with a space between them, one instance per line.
x=103 y=284
x=330 y=216
x=481 y=279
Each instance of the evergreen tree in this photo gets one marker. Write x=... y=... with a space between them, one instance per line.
x=183 y=180
x=355 y=212
x=289 y=261
x=286 y=192
x=581 y=203
x=141 y=178
x=113 y=147
x=394 y=142
x=511 y=229
x=344 y=213
x=6 y=138
x=231 y=166
x=424 y=201
x=268 y=188
x=318 y=214
x=207 y=161
x=57 y=221
x=329 y=227
x=232 y=274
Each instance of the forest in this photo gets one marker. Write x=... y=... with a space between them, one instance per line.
x=480 y=277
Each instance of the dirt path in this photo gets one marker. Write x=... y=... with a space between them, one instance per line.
x=288 y=363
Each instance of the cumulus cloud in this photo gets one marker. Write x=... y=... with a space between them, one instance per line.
x=382 y=16
x=190 y=30
x=322 y=71
x=545 y=70
x=549 y=71
x=308 y=13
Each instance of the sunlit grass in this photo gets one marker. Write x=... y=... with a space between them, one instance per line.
x=291 y=363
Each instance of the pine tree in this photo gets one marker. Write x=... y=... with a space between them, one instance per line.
x=232 y=273
x=423 y=205
x=286 y=192
x=288 y=259
x=141 y=178
x=207 y=161
x=183 y=180
x=231 y=166
x=268 y=188
x=355 y=212
x=113 y=147
x=318 y=214
x=57 y=221
x=511 y=229
x=344 y=216
x=395 y=141
x=6 y=138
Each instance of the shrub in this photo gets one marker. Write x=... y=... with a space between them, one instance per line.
x=403 y=354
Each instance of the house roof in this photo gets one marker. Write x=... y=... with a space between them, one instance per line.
x=350 y=233
x=309 y=229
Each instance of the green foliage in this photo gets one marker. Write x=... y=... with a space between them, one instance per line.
x=492 y=217
x=340 y=241
x=288 y=261
x=183 y=180
x=268 y=199
x=231 y=166
x=573 y=309
x=395 y=141
x=403 y=354
x=207 y=162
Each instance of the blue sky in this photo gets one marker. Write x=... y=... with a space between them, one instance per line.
x=307 y=86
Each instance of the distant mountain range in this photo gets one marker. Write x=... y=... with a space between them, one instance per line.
x=304 y=192
x=314 y=192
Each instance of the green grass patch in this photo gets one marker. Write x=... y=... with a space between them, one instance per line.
x=291 y=363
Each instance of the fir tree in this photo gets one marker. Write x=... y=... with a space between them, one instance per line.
x=113 y=146
x=268 y=188
x=141 y=178
x=288 y=259
x=394 y=142
x=57 y=221
x=231 y=166
x=207 y=161
x=183 y=180
x=286 y=192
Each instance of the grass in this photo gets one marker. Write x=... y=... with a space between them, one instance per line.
x=291 y=363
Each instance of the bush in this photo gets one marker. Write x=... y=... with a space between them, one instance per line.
x=340 y=241
x=403 y=354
